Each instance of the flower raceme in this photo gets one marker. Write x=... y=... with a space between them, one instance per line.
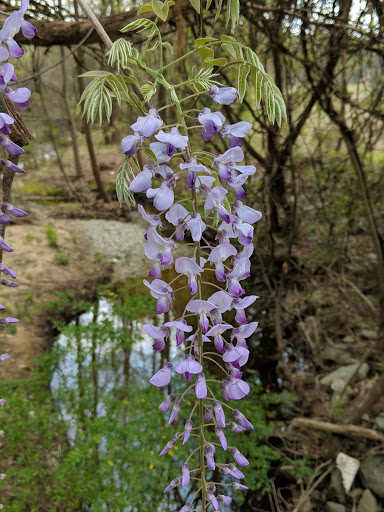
x=211 y=186
x=20 y=96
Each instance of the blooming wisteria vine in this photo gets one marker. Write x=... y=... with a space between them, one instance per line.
x=209 y=186
x=20 y=96
x=215 y=185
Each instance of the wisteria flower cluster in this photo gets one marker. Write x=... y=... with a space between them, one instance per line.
x=212 y=185
x=20 y=96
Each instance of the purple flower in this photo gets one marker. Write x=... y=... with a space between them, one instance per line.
x=212 y=122
x=15 y=212
x=236 y=486
x=240 y=271
x=8 y=320
x=161 y=291
x=175 y=482
x=235 y=132
x=218 y=255
x=6 y=270
x=143 y=181
x=193 y=168
x=189 y=365
x=214 y=201
x=7 y=282
x=235 y=472
x=212 y=498
x=178 y=216
x=4 y=245
x=162 y=378
x=186 y=477
x=239 y=416
x=174 y=140
x=222 y=300
x=167 y=403
x=11 y=166
x=148 y=125
x=235 y=427
x=208 y=416
x=226 y=500
x=11 y=147
x=239 y=458
x=201 y=307
x=158 y=249
x=153 y=220
x=237 y=389
x=158 y=334
x=196 y=227
x=245 y=213
x=223 y=95
x=221 y=437
x=4 y=357
x=187 y=430
x=175 y=412
x=186 y=507
x=189 y=268
x=217 y=331
x=200 y=386
x=128 y=145
x=164 y=196
x=209 y=453
x=219 y=414
x=240 y=305
x=181 y=328
x=171 y=444
x=5 y=120
x=233 y=354
x=244 y=331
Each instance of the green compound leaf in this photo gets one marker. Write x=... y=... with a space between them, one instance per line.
x=148 y=90
x=125 y=175
x=150 y=154
x=202 y=80
x=120 y=53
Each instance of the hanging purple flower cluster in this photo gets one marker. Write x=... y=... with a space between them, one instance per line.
x=9 y=47
x=230 y=258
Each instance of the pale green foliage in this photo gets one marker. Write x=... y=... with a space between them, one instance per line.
x=148 y=89
x=120 y=53
x=125 y=175
x=201 y=80
x=98 y=94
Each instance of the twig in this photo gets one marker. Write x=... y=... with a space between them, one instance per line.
x=334 y=428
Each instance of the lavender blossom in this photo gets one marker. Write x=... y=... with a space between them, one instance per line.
x=200 y=386
x=158 y=334
x=212 y=122
x=235 y=132
x=173 y=140
x=201 y=307
x=186 y=476
x=11 y=166
x=175 y=412
x=181 y=329
x=162 y=378
x=167 y=403
x=218 y=255
x=189 y=268
x=187 y=431
x=148 y=125
x=223 y=95
x=239 y=457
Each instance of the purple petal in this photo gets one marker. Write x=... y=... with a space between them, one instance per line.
x=200 y=386
x=28 y=30
x=142 y=182
x=11 y=147
x=163 y=377
x=223 y=95
x=128 y=145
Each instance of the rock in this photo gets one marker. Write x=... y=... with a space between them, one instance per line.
x=368 y=502
x=344 y=373
x=336 y=489
x=369 y=334
x=372 y=474
x=348 y=467
x=330 y=506
x=339 y=353
x=379 y=421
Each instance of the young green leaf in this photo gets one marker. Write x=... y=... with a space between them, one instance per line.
x=160 y=9
x=195 y=4
x=243 y=72
x=203 y=40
